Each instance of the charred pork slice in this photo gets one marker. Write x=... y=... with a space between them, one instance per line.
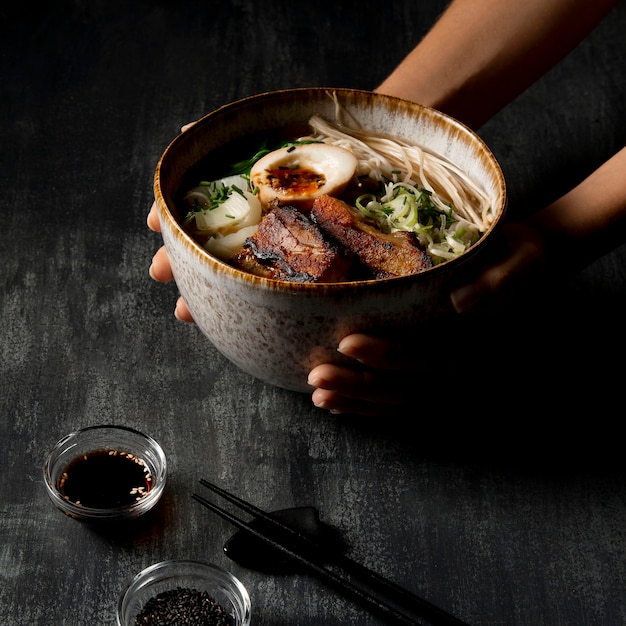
x=386 y=255
x=289 y=246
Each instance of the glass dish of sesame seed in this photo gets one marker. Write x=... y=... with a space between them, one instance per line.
x=194 y=593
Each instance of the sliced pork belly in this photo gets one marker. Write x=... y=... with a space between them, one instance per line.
x=288 y=246
x=247 y=261
x=386 y=255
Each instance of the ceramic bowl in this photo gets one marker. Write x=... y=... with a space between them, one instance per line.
x=277 y=330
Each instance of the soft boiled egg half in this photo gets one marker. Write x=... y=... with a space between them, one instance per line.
x=299 y=173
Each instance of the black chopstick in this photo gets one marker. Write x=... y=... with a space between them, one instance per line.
x=291 y=537
x=399 y=594
x=324 y=573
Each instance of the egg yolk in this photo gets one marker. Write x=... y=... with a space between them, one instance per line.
x=295 y=180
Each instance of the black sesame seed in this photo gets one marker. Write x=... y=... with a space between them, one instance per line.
x=183 y=607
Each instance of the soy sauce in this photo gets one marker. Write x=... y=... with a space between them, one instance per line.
x=105 y=479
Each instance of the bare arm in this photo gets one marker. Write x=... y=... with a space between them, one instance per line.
x=594 y=211
x=481 y=54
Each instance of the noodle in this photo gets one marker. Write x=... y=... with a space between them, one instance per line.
x=382 y=156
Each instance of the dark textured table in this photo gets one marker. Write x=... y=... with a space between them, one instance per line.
x=505 y=505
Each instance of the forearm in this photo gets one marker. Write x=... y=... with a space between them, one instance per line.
x=481 y=54
x=589 y=220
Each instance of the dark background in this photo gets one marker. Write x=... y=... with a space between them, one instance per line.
x=502 y=500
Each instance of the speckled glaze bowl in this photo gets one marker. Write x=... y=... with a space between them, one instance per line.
x=276 y=330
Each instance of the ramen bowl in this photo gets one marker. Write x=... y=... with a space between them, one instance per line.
x=278 y=330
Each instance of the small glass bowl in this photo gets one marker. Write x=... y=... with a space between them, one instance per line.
x=222 y=587
x=115 y=439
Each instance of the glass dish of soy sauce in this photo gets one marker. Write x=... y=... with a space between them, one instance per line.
x=105 y=473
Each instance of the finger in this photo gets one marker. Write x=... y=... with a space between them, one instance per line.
x=153 y=219
x=161 y=268
x=186 y=126
x=379 y=352
x=362 y=385
x=524 y=256
x=181 y=312
x=338 y=404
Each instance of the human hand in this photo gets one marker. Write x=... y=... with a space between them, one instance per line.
x=513 y=266
x=386 y=376
x=161 y=268
x=382 y=381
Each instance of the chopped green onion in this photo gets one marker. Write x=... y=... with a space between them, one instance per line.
x=402 y=206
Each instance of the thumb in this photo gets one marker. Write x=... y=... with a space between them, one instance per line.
x=522 y=256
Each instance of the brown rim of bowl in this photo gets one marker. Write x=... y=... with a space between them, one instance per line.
x=270 y=283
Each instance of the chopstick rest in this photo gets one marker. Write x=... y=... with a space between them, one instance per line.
x=249 y=552
x=363 y=585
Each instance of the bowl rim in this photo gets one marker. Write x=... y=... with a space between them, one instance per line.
x=166 y=214
x=86 y=513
